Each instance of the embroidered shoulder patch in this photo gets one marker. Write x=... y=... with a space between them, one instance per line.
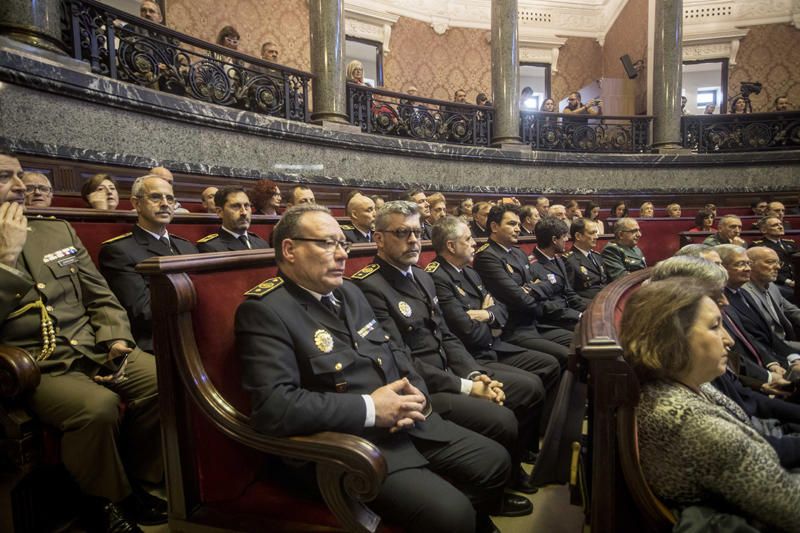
x=265 y=287
x=366 y=272
x=482 y=248
x=117 y=238
x=432 y=267
x=209 y=238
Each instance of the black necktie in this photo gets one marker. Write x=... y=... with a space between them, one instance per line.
x=165 y=240
x=244 y=240
x=330 y=305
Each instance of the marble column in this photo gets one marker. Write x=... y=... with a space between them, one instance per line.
x=36 y=23
x=505 y=72
x=326 y=21
x=667 y=75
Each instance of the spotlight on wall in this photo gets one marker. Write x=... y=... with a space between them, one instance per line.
x=631 y=68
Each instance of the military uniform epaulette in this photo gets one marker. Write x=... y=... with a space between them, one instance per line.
x=265 y=287
x=432 y=267
x=366 y=272
x=568 y=254
x=208 y=238
x=347 y=227
x=482 y=248
x=759 y=241
x=117 y=238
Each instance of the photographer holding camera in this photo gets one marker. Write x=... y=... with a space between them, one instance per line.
x=575 y=106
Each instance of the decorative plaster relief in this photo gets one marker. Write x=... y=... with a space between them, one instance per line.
x=368 y=24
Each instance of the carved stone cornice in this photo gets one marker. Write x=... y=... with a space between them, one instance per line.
x=366 y=23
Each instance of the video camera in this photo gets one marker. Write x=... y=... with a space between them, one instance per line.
x=750 y=87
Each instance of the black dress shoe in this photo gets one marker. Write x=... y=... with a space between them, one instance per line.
x=513 y=505
x=113 y=520
x=145 y=508
x=523 y=484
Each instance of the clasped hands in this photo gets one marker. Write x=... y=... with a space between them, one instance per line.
x=398 y=405
x=485 y=387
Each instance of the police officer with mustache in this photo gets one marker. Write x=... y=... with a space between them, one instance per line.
x=234 y=208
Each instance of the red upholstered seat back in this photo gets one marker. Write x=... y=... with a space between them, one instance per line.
x=225 y=468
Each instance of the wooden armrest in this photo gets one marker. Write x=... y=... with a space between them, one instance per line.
x=19 y=372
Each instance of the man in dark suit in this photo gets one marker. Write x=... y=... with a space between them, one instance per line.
x=772 y=229
x=471 y=394
x=361 y=210
x=529 y=217
x=564 y=308
x=55 y=305
x=419 y=197
x=508 y=276
x=154 y=201
x=585 y=269
x=316 y=359
x=233 y=206
x=478 y=225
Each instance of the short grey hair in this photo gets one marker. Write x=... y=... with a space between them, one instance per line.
x=726 y=251
x=623 y=224
x=446 y=229
x=694 y=250
x=762 y=222
x=725 y=218
x=400 y=207
x=692 y=267
x=286 y=228
x=138 y=184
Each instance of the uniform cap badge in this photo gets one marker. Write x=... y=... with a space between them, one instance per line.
x=404 y=308
x=323 y=340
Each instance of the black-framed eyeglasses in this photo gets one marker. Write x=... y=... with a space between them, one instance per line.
x=155 y=198
x=403 y=233
x=44 y=189
x=329 y=245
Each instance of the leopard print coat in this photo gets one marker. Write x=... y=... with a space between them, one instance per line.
x=702 y=450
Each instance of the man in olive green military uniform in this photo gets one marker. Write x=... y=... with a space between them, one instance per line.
x=621 y=255
x=55 y=305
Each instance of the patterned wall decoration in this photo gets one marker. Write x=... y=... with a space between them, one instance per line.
x=438 y=64
x=628 y=35
x=579 y=63
x=284 y=22
x=768 y=54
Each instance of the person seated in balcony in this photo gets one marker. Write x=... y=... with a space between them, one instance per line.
x=266 y=198
x=684 y=100
x=674 y=210
x=709 y=110
x=355 y=73
x=361 y=210
x=291 y=331
x=573 y=210
x=576 y=107
x=528 y=217
x=695 y=444
x=585 y=270
x=207 y=199
x=38 y=190
x=778 y=210
x=778 y=311
x=235 y=211
x=100 y=192
x=525 y=99
x=300 y=194
x=782 y=104
x=548 y=106
x=166 y=174
x=438 y=208
x=772 y=230
x=646 y=210
x=459 y=97
x=739 y=106
x=228 y=37
x=622 y=255
x=154 y=201
x=592 y=212
x=270 y=52
x=464 y=210
x=483 y=100
x=703 y=221
x=418 y=197
x=730 y=229
x=558 y=211
x=58 y=308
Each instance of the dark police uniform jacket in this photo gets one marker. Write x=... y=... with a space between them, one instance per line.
x=619 y=260
x=306 y=369
x=118 y=259
x=587 y=276
x=426 y=231
x=353 y=235
x=55 y=267
x=510 y=280
x=564 y=307
x=224 y=241
x=785 y=248
x=477 y=231
x=409 y=312
x=460 y=292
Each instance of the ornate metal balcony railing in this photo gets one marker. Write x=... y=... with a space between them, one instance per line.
x=742 y=133
x=128 y=48
x=397 y=114
x=586 y=133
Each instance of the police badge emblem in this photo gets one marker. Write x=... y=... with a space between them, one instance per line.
x=404 y=308
x=510 y=270
x=323 y=340
x=552 y=278
x=584 y=270
x=461 y=291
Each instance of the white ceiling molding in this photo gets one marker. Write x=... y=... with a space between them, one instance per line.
x=540 y=50
x=365 y=23
x=722 y=44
